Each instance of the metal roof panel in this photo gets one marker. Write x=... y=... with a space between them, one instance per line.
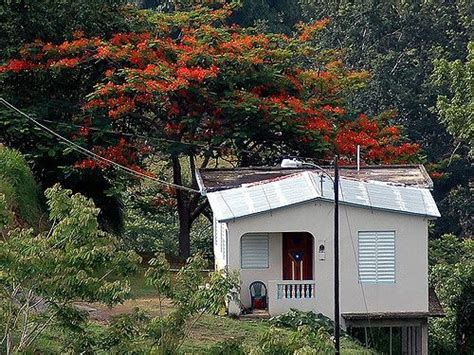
x=305 y=186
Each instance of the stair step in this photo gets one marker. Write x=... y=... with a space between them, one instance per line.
x=256 y=314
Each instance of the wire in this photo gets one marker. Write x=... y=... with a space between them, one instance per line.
x=93 y=155
x=355 y=260
x=124 y=134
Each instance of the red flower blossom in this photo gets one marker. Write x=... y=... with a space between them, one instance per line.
x=65 y=63
x=16 y=66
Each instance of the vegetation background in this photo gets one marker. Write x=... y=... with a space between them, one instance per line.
x=420 y=58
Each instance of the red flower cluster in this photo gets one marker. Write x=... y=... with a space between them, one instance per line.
x=123 y=153
x=65 y=63
x=214 y=81
x=197 y=74
x=16 y=66
x=378 y=143
x=308 y=31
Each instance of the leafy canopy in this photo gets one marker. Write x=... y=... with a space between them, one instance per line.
x=455 y=104
x=228 y=90
x=19 y=189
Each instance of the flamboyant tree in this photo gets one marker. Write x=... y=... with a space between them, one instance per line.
x=209 y=91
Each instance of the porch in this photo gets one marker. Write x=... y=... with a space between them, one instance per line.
x=282 y=265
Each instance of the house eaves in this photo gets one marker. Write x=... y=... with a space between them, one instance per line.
x=305 y=186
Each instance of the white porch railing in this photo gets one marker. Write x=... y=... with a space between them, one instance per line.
x=284 y=295
x=297 y=289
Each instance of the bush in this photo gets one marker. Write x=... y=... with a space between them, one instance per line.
x=19 y=189
x=44 y=274
x=452 y=275
x=295 y=319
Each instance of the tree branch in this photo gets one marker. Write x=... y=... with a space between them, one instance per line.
x=198 y=210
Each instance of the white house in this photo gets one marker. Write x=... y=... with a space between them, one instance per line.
x=276 y=226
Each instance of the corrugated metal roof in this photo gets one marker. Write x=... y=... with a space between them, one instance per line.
x=267 y=195
x=406 y=175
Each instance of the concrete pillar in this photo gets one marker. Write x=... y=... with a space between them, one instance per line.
x=404 y=331
x=415 y=339
x=424 y=338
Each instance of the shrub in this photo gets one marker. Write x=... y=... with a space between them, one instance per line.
x=295 y=319
x=43 y=274
x=19 y=189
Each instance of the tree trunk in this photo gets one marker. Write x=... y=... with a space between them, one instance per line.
x=184 y=238
x=188 y=205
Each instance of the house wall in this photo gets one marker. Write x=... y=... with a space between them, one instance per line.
x=220 y=244
x=274 y=271
x=408 y=294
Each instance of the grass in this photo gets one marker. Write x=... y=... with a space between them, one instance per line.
x=207 y=332
x=211 y=329
x=138 y=286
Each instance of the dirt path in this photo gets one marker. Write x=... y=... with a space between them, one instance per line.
x=102 y=314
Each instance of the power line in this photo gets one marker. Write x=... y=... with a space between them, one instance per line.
x=124 y=134
x=355 y=260
x=93 y=155
x=134 y=135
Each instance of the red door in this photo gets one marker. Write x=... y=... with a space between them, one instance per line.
x=297 y=256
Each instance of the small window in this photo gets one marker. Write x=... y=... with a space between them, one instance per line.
x=254 y=251
x=216 y=231
x=377 y=256
x=222 y=231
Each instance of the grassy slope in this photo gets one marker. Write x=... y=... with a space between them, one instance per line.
x=19 y=188
x=207 y=331
x=211 y=329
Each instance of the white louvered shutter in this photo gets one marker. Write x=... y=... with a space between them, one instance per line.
x=377 y=256
x=254 y=251
x=225 y=237
x=216 y=231
x=222 y=237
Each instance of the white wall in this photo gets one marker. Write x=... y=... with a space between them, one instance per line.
x=221 y=238
x=247 y=276
x=408 y=294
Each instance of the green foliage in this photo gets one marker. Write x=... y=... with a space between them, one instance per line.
x=295 y=318
x=452 y=275
x=55 y=20
x=278 y=16
x=397 y=42
x=147 y=225
x=42 y=274
x=455 y=104
x=57 y=97
x=201 y=239
x=192 y=294
x=19 y=190
x=5 y=213
x=318 y=327
x=150 y=222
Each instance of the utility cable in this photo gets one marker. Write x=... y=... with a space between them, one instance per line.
x=355 y=259
x=93 y=155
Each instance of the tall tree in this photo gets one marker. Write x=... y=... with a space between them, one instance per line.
x=210 y=91
x=455 y=104
x=57 y=99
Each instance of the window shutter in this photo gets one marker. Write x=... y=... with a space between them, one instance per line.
x=216 y=231
x=224 y=243
x=254 y=251
x=377 y=256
